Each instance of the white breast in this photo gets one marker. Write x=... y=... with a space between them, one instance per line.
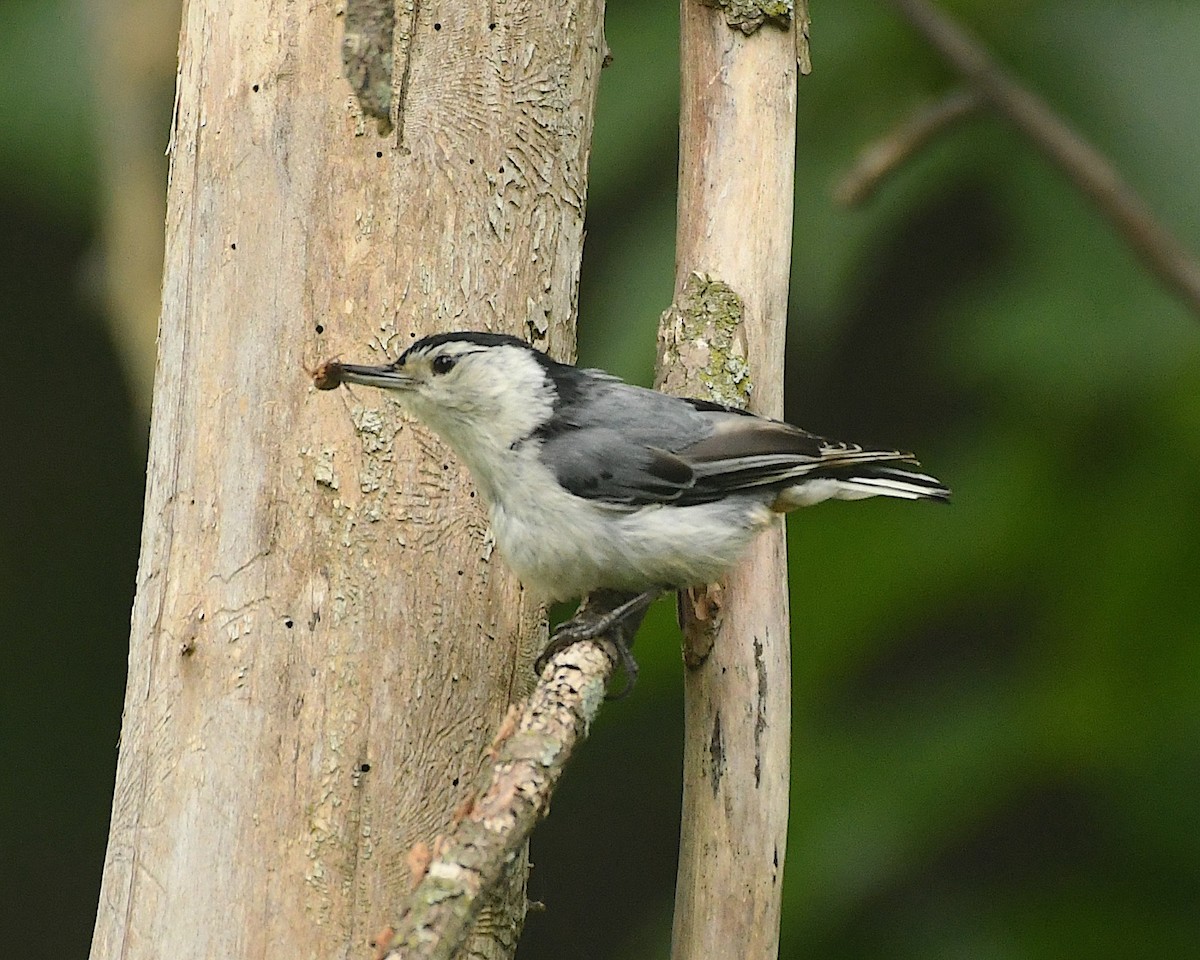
x=562 y=546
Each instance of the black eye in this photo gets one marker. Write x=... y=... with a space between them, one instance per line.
x=442 y=363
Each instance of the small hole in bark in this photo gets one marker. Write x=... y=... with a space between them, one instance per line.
x=437 y=26
x=378 y=153
x=289 y=622
x=255 y=88
x=491 y=26
x=364 y=768
x=320 y=328
x=454 y=782
x=233 y=246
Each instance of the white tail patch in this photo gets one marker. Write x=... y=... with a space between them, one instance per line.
x=890 y=483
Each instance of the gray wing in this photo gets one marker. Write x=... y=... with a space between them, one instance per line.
x=637 y=447
x=617 y=443
x=601 y=464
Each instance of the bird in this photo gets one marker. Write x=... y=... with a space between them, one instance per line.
x=596 y=484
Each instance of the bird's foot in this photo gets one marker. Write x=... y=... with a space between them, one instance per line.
x=614 y=625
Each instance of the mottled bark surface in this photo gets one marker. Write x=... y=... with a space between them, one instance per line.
x=322 y=642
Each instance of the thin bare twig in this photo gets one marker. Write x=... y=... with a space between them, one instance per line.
x=1087 y=168
x=880 y=159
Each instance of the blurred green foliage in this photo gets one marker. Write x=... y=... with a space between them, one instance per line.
x=45 y=130
x=997 y=704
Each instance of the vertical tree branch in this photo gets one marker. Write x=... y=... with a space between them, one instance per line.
x=725 y=336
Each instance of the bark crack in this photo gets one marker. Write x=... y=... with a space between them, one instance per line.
x=716 y=754
x=760 y=709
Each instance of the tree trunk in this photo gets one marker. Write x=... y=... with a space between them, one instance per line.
x=724 y=338
x=322 y=645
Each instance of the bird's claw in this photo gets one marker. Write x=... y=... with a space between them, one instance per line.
x=614 y=627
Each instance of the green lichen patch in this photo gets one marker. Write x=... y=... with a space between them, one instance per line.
x=748 y=15
x=702 y=349
x=367 y=56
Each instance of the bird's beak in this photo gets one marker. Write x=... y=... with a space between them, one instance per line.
x=387 y=377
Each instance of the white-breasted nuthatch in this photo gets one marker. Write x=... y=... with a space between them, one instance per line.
x=596 y=484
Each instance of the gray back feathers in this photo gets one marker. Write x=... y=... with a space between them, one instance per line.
x=626 y=445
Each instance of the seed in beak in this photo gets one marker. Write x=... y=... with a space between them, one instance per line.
x=327 y=375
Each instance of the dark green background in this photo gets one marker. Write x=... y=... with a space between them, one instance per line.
x=997 y=705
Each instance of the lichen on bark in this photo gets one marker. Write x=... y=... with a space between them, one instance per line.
x=749 y=15
x=702 y=346
x=367 y=56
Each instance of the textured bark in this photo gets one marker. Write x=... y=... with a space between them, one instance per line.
x=321 y=644
x=724 y=337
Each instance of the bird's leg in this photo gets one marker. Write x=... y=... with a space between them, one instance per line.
x=617 y=624
x=588 y=625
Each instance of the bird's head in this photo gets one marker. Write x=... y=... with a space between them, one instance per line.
x=476 y=390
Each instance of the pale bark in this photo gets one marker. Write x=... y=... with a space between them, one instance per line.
x=725 y=337
x=322 y=644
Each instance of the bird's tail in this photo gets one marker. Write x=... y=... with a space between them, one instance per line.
x=861 y=481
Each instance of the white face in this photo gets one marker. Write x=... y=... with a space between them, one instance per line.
x=477 y=397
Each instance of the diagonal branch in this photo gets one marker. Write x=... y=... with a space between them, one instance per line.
x=880 y=159
x=1087 y=168
x=529 y=753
